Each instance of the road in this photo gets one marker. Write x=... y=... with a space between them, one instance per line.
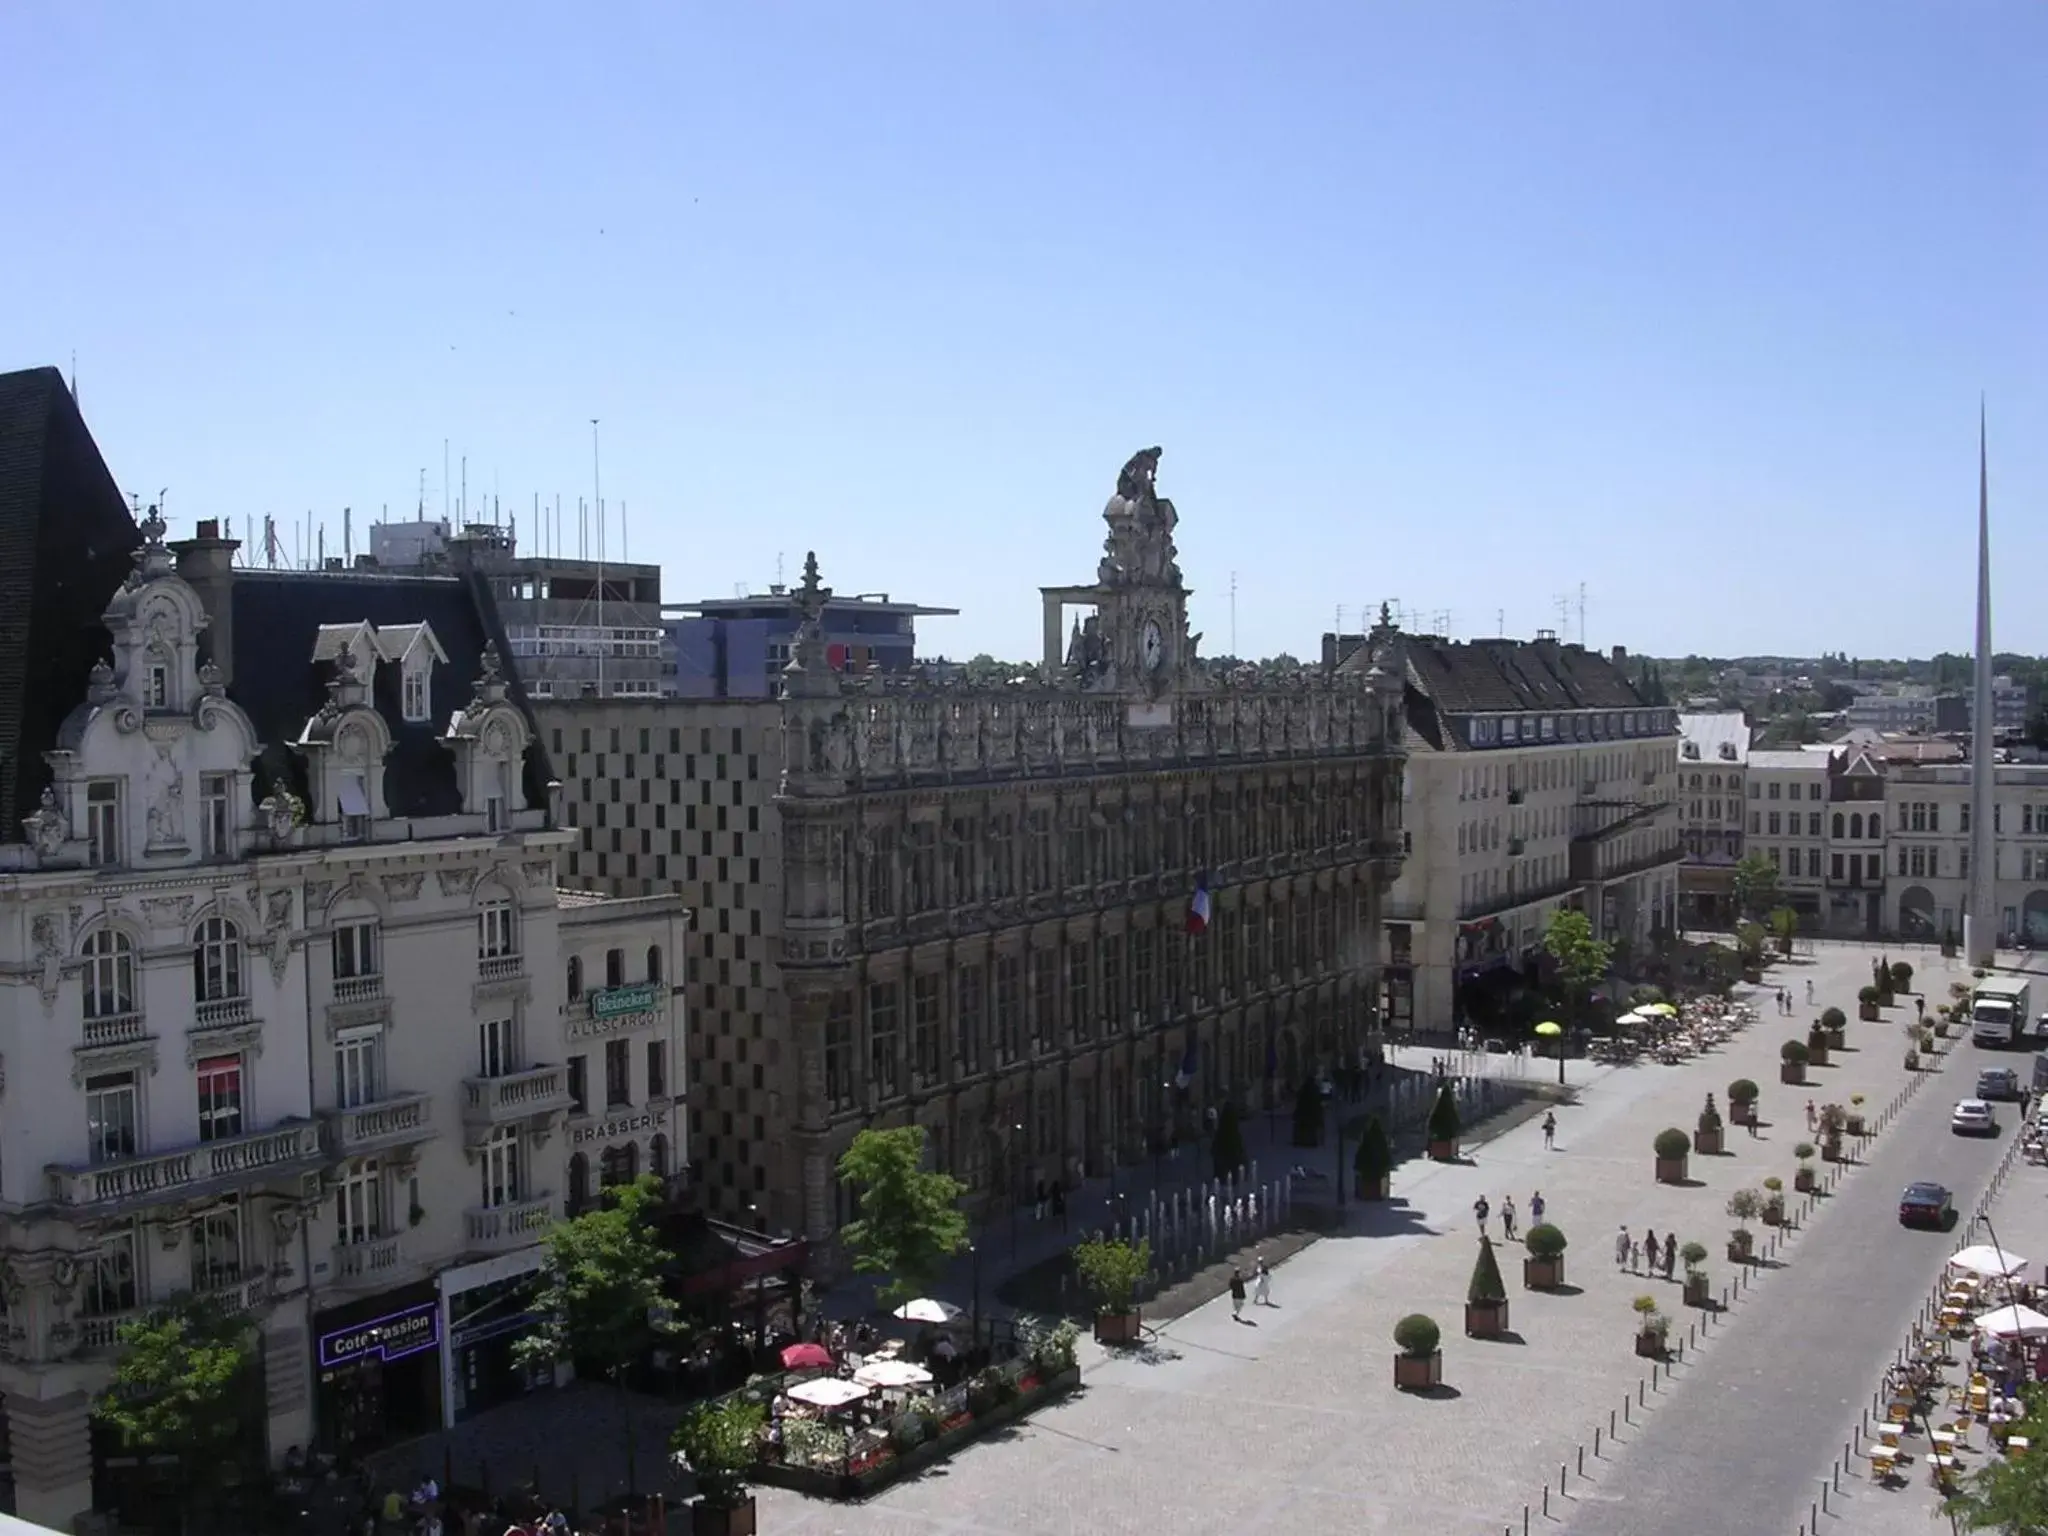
x=1742 y=1445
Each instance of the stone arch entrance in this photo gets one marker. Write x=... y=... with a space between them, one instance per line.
x=1916 y=912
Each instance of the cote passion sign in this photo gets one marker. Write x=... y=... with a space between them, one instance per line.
x=611 y=1130
x=391 y=1337
x=618 y=1008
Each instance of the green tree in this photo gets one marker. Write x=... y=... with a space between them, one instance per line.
x=175 y=1389
x=1228 y=1148
x=1486 y=1284
x=910 y=1221
x=1580 y=958
x=2009 y=1495
x=1308 y=1114
x=1756 y=885
x=1784 y=927
x=600 y=1302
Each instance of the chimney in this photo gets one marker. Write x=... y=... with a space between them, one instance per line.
x=1620 y=654
x=206 y=564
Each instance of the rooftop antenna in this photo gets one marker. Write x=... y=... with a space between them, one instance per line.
x=444 y=479
x=540 y=527
x=597 y=495
x=1340 y=618
x=348 y=536
x=778 y=572
x=1441 y=622
x=1582 y=613
x=1564 y=613
x=422 y=512
x=462 y=497
x=555 y=543
x=582 y=529
x=320 y=549
x=1233 y=613
x=625 y=538
x=74 y=376
x=1500 y=622
x=273 y=546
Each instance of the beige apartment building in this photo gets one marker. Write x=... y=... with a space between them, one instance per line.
x=1713 y=754
x=969 y=907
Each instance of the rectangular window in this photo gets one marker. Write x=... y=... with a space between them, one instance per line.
x=579 y=1084
x=1045 y=1000
x=881 y=873
x=657 y=1069
x=496 y=938
x=220 y=1098
x=1080 y=1002
x=499 y=1164
x=1009 y=1009
x=615 y=968
x=1835 y=867
x=1773 y=792
x=618 y=1073
x=110 y=1278
x=1771 y=821
x=923 y=867
x=359 y=1202
x=216 y=816
x=924 y=1029
x=110 y=1116
x=885 y=1046
x=353 y=799
x=103 y=823
x=1144 y=977
x=355 y=951
x=497 y=1050
x=970 y=1002
x=839 y=1076
x=216 y=1244
x=417 y=708
x=356 y=1078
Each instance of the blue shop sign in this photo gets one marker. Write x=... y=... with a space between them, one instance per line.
x=391 y=1337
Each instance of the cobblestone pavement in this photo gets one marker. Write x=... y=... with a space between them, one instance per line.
x=1290 y=1421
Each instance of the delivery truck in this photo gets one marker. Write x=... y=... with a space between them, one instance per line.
x=1999 y=1011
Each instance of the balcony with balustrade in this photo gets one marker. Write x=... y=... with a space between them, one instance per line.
x=374 y=1262
x=400 y=1120
x=114 y=1029
x=251 y=1161
x=501 y=1228
x=532 y=1094
x=99 y=1334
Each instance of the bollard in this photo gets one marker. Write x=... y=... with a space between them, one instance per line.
x=1824 y=1493
x=1546 y=1501
x=1582 y=1461
x=1640 y=1400
x=1596 y=1435
x=1653 y=1374
x=1610 y=1423
x=1627 y=1413
x=1525 y=1520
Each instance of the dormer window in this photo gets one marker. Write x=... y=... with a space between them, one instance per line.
x=103 y=823
x=156 y=690
x=417 y=700
x=353 y=800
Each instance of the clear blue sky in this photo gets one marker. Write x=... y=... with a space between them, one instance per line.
x=1458 y=304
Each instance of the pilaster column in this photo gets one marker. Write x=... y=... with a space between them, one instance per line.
x=52 y=1445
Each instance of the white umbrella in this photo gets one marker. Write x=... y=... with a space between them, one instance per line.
x=828 y=1392
x=1986 y=1260
x=887 y=1374
x=927 y=1309
x=1631 y=1017
x=2007 y=1321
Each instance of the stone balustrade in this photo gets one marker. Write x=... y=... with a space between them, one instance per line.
x=516 y=1095
x=495 y=1228
x=214 y=1166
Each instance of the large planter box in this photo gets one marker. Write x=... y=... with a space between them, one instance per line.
x=1486 y=1319
x=1816 y=1052
x=1543 y=1274
x=1740 y=1252
x=1419 y=1373
x=1743 y=1113
x=1867 y=1012
x=1119 y=1327
x=1444 y=1151
x=1856 y=1124
x=1792 y=1072
x=706 y=1521
x=1838 y=1039
x=1752 y=976
x=1706 y=1140
x=1774 y=1211
x=1805 y=1181
x=1696 y=1290
x=1670 y=1170
x=1831 y=1149
x=1649 y=1345
x=1375 y=1189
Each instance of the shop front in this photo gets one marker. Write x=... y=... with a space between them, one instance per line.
x=377 y=1377
x=486 y=1309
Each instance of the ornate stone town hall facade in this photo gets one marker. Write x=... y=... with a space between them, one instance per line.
x=985 y=890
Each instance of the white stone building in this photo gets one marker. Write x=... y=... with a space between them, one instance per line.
x=1713 y=752
x=1928 y=850
x=1537 y=778
x=1787 y=822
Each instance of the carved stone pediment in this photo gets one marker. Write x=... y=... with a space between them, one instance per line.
x=129 y=1056
x=229 y=1040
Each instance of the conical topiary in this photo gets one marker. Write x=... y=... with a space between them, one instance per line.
x=1443 y=1115
x=1486 y=1285
x=1375 y=1159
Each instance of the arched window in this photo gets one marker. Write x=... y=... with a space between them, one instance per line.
x=654 y=962
x=1838 y=823
x=657 y=1156
x=1874 y=824
x=217 y=961
x=575 y=977
x=1855 y=823
x=109 y=975
x=579 y=1183
x=619 y=1164
x=615 y=967
x=497 y=931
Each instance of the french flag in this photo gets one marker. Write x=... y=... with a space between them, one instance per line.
x=1198 y=906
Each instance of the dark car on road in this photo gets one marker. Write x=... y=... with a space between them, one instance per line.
x=1999 y=1083
x=1927 y=1205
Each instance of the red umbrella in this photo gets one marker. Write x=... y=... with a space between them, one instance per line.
x=802 y=1357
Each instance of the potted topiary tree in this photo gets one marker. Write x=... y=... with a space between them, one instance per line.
x=1651 y=1328
x=1486 y=1298
x=1543 y=1269
x=1744 y=1205
x=1374 y=1165
x=1671 y=1145
x=1694 y=1255
x=1774 y=1201
x=1792 y=1062
x=1853 y=1122
x=1835 y=1024
x=1444 y=1125
x=718 y=1443
x=1706 y=1133
x=1881 y=978
x=1420 y=1365
x=1817 y=1045
x=1742 y=1097
x=1902 y=978
x=1804 y=1180
x=1866 y=1004
x=1111 y=1271
x=1833 y=1120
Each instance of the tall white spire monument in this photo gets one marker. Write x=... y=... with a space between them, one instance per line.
x=1980 y=919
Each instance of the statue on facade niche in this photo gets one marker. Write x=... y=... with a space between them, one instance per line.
x=47 y=829
x=1139 y=546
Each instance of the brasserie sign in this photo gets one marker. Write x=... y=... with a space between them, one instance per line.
x=612 y=1130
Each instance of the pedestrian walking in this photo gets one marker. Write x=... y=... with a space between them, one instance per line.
x=1059 y=1204
x=1812 y=1115
x=1650 y=1248
x=1635 y=1257
x=1670 y=1253
x=1262 y=1284
x=1809 y=989
x=1236 y=1295
x=1481 y=1210
x=1536 y=1208
x=1549 y=1132
x=1507 y=1217
x=1621 y=1248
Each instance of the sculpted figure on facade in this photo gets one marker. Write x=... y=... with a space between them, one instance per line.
x=47 y=829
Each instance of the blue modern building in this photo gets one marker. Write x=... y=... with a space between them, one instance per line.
x=736 y=647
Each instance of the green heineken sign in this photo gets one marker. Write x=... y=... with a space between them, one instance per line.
x=615 y=1001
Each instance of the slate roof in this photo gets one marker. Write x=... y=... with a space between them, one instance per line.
x=1447 y=678
x=284 y=620
x=67 y=543
x=1707 y=733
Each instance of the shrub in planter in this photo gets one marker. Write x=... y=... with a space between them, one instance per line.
x=1804 y=1179
x=1742 y=1097
x=1420 y=1365
x=1111 y=1272
x=1651 y=1328
x=1486 y=1296
x=1817 y=1046
x=1373 y=1167
x=1706 y=1137
x=1671 y=1147
x=1543 y=1269
x=1866 y=1003
x=1836 y=1024
x=1444 y=1125
x=1902 y=977
x=1744 y=1205
x=1774 y=1201
x=1693 y=1255
x=1792 y=1057
x=717 y=1442
x=1852 y=1122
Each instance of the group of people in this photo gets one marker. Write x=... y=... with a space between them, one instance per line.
x=1482 y=1208
x=1644 y=1255
x=1261 y=1288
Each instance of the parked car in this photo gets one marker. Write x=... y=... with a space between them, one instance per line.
x=1998 y=1083
x=1927 y=1205
x=1973 y=1117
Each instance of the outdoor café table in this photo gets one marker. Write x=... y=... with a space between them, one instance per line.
x=1888 y=1436
x=2014 y=1444
x=1884 y=1461
x=1944 y=1439
x=1938 y=1467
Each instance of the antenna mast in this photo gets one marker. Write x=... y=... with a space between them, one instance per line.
x=444 y=479
x=1500 y=622
x=597 y=495
x=1233 y=614
x=1582 y=613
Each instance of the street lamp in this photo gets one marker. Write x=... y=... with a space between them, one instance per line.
x=974 y=1255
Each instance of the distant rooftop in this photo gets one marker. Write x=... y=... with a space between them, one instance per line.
x=778 y=598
